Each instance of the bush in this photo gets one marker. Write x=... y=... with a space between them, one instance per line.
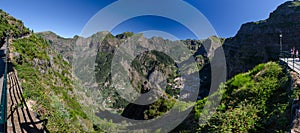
x=254 y=101
x=52 y=90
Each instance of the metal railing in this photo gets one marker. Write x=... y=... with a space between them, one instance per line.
x=286 y=56
x=3 y=107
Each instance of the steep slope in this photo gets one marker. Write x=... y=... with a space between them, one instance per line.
x=9 y=23
x=46 y=79
x=143 y=66
x=108 y=46
x=257 y=101
x=285 y=19
x=64 y=46
x=258 y=42
x=103 y=97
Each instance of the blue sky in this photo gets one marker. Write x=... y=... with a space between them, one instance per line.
x=68 y=17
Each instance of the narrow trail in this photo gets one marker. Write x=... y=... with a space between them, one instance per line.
x=21 y=118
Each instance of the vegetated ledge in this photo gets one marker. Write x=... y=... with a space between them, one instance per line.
x=256 y=101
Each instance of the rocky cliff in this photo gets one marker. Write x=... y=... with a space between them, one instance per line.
x=284 y=20
x=258 y=42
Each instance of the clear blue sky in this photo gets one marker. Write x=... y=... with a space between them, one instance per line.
x=68 y=17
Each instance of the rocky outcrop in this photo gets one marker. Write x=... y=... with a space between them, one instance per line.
x=285 y=20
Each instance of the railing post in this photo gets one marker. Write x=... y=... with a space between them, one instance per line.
x=3 y=119
x=293 y=61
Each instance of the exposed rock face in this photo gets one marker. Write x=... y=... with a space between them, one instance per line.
x=258 y=42
x=285 y=19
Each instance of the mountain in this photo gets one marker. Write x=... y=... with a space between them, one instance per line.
x=258 y=42
x=256 y=100
x=46 y=80
x=64 y=46
x=285 y=20
x=96 y=55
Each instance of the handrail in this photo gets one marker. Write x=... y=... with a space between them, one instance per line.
x=3 y=116
x=285 y=55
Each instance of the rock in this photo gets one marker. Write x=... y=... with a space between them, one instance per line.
x=259 y=42
x=17 y=56
x=51 y=62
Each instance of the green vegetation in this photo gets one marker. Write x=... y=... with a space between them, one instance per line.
x=103 y=77
x=103 y=67
x=159 y=108
x=260 y=22
x=254 y=101
x=296 y=3
x=32 y=47
x=124 y=35
x=15 y=26
x=46 y=79
x=145 y=64
x=142 y=66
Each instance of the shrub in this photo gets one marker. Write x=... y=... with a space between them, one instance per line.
x=254 y=101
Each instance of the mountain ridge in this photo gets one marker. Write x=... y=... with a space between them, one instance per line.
x=259 y=42
x=250 y=51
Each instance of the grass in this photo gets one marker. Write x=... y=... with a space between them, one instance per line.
x=296 y=3
x=52 y=89
x=16 y=29
x=253 y=102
